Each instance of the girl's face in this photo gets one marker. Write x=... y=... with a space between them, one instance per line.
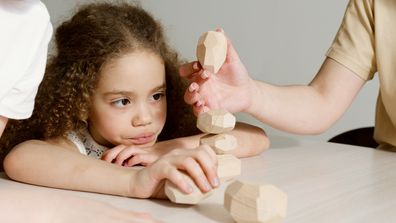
x=129 y=104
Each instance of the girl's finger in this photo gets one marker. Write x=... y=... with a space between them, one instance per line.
x=144 y=159
x=207 y=159
x=111 y=154
x=193 y=168
x=177 y=178
x=127 y=153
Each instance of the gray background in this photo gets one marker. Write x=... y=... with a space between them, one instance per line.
x=280 y=41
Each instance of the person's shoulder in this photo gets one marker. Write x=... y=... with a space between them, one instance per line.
x=38 y=12
x=24 y=10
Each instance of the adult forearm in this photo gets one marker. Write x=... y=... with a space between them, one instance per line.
x=295 y=109
x=307 y=109
x=251 y=140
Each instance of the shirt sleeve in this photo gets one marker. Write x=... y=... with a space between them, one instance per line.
x=23 y=55
x=353 y=45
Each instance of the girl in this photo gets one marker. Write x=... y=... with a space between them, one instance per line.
x=113 y=87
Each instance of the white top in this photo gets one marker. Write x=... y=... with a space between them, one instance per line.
x=86 y=144
x=25 y=29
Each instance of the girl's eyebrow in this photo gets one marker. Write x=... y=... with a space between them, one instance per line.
x=162 y=86
x=130 y=93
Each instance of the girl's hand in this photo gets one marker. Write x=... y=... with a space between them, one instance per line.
x=130 y=155
x=199 y=163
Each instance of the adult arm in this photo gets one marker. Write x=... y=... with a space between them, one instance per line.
x=309 y=109
x=305 y=109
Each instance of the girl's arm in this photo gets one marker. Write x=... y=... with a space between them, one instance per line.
x=57 y=163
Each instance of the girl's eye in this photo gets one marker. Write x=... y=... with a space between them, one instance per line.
x=158 y=96
x=121 y=102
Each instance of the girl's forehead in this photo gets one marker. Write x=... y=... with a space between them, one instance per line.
x=133 y=70
x=147 y=56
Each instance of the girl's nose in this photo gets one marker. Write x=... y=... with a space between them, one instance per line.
x=142 y=117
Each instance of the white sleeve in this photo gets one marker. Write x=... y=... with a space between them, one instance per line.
x=26 y=30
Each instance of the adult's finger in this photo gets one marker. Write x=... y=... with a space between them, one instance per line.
x=191 y=97
x=187 y=69
x=232 y=55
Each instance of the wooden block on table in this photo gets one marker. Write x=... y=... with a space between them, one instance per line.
x=177 y=196
x=249 y=202
x=228 y=167
x=221 y=143
x=212 y=50
x=216 y=121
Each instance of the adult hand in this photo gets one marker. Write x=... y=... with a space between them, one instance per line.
x=230 y=88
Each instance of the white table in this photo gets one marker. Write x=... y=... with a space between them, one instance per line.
x=325 y=182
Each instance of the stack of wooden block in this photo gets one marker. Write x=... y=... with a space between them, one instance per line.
x=246 y=202
x=216 y=123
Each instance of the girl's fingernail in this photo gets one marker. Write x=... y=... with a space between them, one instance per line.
x=216 y=182
x=207 y=186
x=189 y=189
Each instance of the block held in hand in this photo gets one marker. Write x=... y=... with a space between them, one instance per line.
x=212 y=50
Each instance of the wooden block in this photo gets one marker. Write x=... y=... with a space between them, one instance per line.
x=249 y=202
x=177 y=196
x=216 y=121
x=212 y=50
x=228 y=167
x=221 y=143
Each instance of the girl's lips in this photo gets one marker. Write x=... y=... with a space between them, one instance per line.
x=143 y=139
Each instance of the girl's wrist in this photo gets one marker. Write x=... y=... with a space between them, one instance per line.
x=131 y=176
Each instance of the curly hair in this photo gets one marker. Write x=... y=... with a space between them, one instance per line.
x=95 y=35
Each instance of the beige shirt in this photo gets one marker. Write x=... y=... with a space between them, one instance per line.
x=366 y=44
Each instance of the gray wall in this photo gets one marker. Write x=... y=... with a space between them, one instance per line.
x=280 y=41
